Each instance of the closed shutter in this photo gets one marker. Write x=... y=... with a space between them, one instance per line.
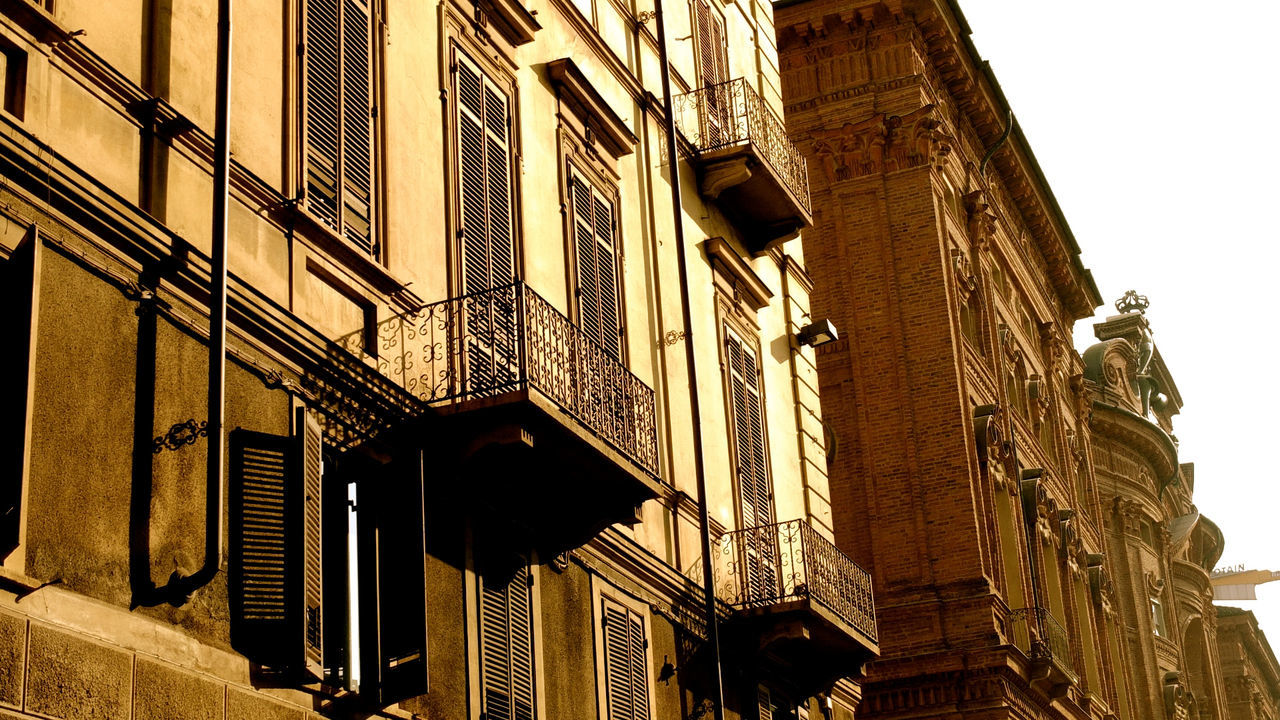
x=484 y=158
x=599 y=314
x=19 y=295
x=626 y=673
x=488 y=251
x=337 y=122
x=713 y=67
x=506 y=644
x=748 y=431
x=392 y=539
x=265 y=570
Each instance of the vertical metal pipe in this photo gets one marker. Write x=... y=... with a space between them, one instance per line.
x=218 y=302
x=695 y=415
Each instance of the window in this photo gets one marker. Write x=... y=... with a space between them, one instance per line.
x=597 y=266
x=747 y=423
x=14 y=74
x=337 y=127
x=484 y=219
x=316 y=587
x=20 y=296
x=1157 y=617
x=626 y=677
x=506 y=641
x=713 y=71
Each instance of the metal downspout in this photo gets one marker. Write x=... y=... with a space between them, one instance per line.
x=704 y=519
x=217 y=315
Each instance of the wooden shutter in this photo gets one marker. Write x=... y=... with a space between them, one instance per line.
x=713 y=68
x=267 y=619
x=393 y=577
x=357 y=125
x=310 y=446
x=748 y=431
x=764 y=703
x=599 y=314
x=506 y=644
x=337 y=122
x=19 y=293
x=322 y=87
x=485 y=190
x=626 y=673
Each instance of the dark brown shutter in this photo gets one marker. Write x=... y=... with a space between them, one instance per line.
x=265 y=569
x=357 y=135
x=748 y=430
x=321 y=84
x=713 y=68
x=506 y=644
x=626 y=673
x=588 y=264
x=607 y=277
x=393 y=561
x=19 y=294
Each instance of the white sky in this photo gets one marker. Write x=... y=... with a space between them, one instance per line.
x=1154 y=123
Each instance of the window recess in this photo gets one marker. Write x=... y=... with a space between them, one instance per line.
x=626 y=676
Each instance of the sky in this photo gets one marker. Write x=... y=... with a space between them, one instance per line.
x=1152 y=120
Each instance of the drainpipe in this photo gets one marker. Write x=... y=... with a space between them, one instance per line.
x=1008 y=127
x=704 y=517
x=217 y=316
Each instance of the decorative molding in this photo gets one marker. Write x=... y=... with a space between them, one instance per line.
x=587 y=103
x=516 y=24
x=981 y=220
x=732 y=270
x=882 y=144
x=986 y=433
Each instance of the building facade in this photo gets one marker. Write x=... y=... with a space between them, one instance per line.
x=1160 y=549
x=1250 y=673
x=494 y=427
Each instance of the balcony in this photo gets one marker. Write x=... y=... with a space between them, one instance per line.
x=543 y=424
x=800 y=608
x=746 y=161
x=1037 y=633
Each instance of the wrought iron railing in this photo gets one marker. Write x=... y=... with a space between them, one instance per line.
x=732 y=113
x=773 y=564
x=1048 y=639
x=506 y=339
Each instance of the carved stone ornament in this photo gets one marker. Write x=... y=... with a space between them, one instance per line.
x=981 y=221
x=1039 y=510
x=966 y=280
x=1155 y=585
x=1102 y=589
x=1129 y=513
x=1038 y=392
x=1010 y=346
x=1080 y=398
x=986 y=433
x=1177 y=701
x=1132 y=301
x=882 y=143
x=1055 y=346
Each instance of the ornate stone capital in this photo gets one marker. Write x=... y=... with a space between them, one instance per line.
x=882 y=144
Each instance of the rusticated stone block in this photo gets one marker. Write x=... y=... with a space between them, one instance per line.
x=71 y=677
x=242 y=705
x=166 y=693
x=13 y=645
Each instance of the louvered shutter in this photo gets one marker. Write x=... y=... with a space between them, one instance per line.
x=484 y=158
x=357 y=125
x=392 y=565
x=748 y=431
x=626 y=674
x=607 y=277
x=764 y=703
x=19 y=295
x=713 y=66
x=337 y=121
x=265 y=572
x=310 y=447
x=322 y=85
x=506 y=644
x=588 y=265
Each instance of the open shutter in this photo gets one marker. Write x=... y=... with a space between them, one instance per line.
x=19 y=294
x=764 y=703
x=267 y=620
x=393 y=600
x=357 y=147
x=497 y=124
x=506 y=644
x=310 y=446
x=322 y=87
